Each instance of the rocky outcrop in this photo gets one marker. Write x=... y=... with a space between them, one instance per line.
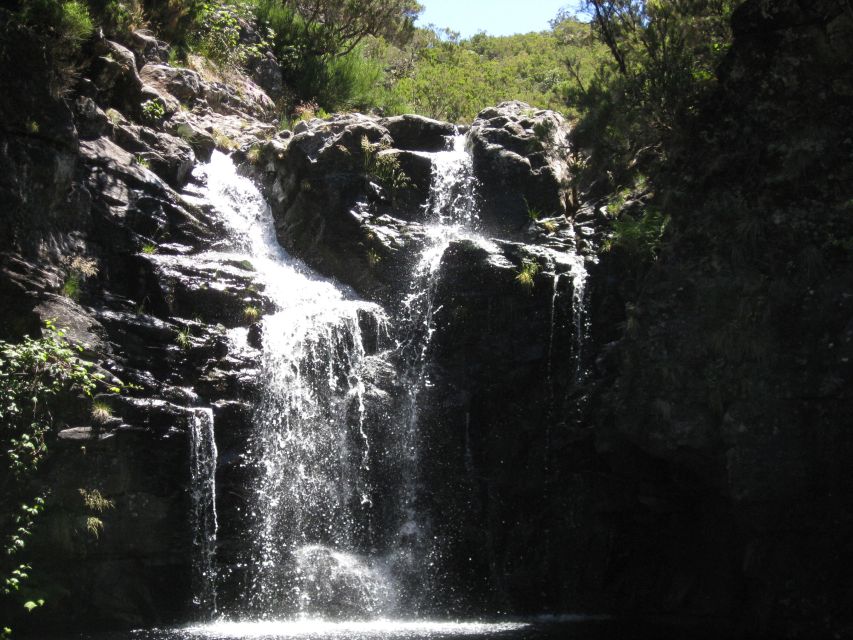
x=727 y=379
x=687 y=459
x=522 y=159
x=102 y=233
x=336 y=208
x=417 y=133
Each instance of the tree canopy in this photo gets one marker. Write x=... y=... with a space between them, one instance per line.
x=336 y=27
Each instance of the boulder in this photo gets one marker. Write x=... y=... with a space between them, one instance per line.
x=332 y=212
x=114 y=74
x=521 y=159
x=147 y=48
x=267 y=73
x=183 y=84
x=418 y=133
x=168 y=156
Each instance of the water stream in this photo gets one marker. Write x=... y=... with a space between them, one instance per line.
x=203 y=519
x=312 y=492
x=323 y=545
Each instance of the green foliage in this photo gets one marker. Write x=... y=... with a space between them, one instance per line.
x=223 y=141
x=114 y=116
x=79 y=269
x=68 y=22
x=384 y=167
x=183 y=338
x=216 y=32
x=153 y=111
x=253 y=155
x=332 y=28
x=149 y=249
x=439 y=75
x=251 y=313
x=61 y=28
x=101 y=412
x=95 y=503
x=373 y=257
x=550 y=226
x=118 y=17
x=36 y=378
x=71 y=287
x=662 y=62
x=639 y=236
x=526 y=275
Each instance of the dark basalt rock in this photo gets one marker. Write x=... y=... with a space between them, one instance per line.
x=417 y=133
x=114 y=75
x=331 y=213
x=521 y=158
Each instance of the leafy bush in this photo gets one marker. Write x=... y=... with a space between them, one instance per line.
x=153 y=111
x=385 y=168
x=36 y=378
x=639 y=236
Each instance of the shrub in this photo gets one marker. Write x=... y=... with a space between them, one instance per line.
x=639 y=236
x=36 y=378
x=527 y=273
x=385 y=168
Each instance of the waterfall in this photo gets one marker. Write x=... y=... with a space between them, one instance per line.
x=203 y=457
x=571 y=264
x=313 y=495
x=333 y=525
x=451 y=214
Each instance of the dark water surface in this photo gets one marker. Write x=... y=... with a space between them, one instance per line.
x=554 y=628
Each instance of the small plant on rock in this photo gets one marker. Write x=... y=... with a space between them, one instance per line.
x=251 y=314
x=79 y=268
x=153 y=111
x=101 y=413
x=114 y=116
x=253 y=155
x=385 y=168
x=223 y=141
x=37 y=379
x=95 y=503
x=550 y=226
x=183 y=338
x=149 y=249
x=527 y=273
x=373 y=257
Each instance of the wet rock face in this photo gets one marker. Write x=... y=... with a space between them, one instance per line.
x=417 y=133
x=341 y=210
x=522 y=160
x=336 y=208
x=89 y=178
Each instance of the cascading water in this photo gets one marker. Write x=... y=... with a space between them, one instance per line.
x=312 y=493
x=451 y=214
x=203 y=457
x=326 y=540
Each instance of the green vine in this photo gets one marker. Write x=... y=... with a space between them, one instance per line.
x=36 y=377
